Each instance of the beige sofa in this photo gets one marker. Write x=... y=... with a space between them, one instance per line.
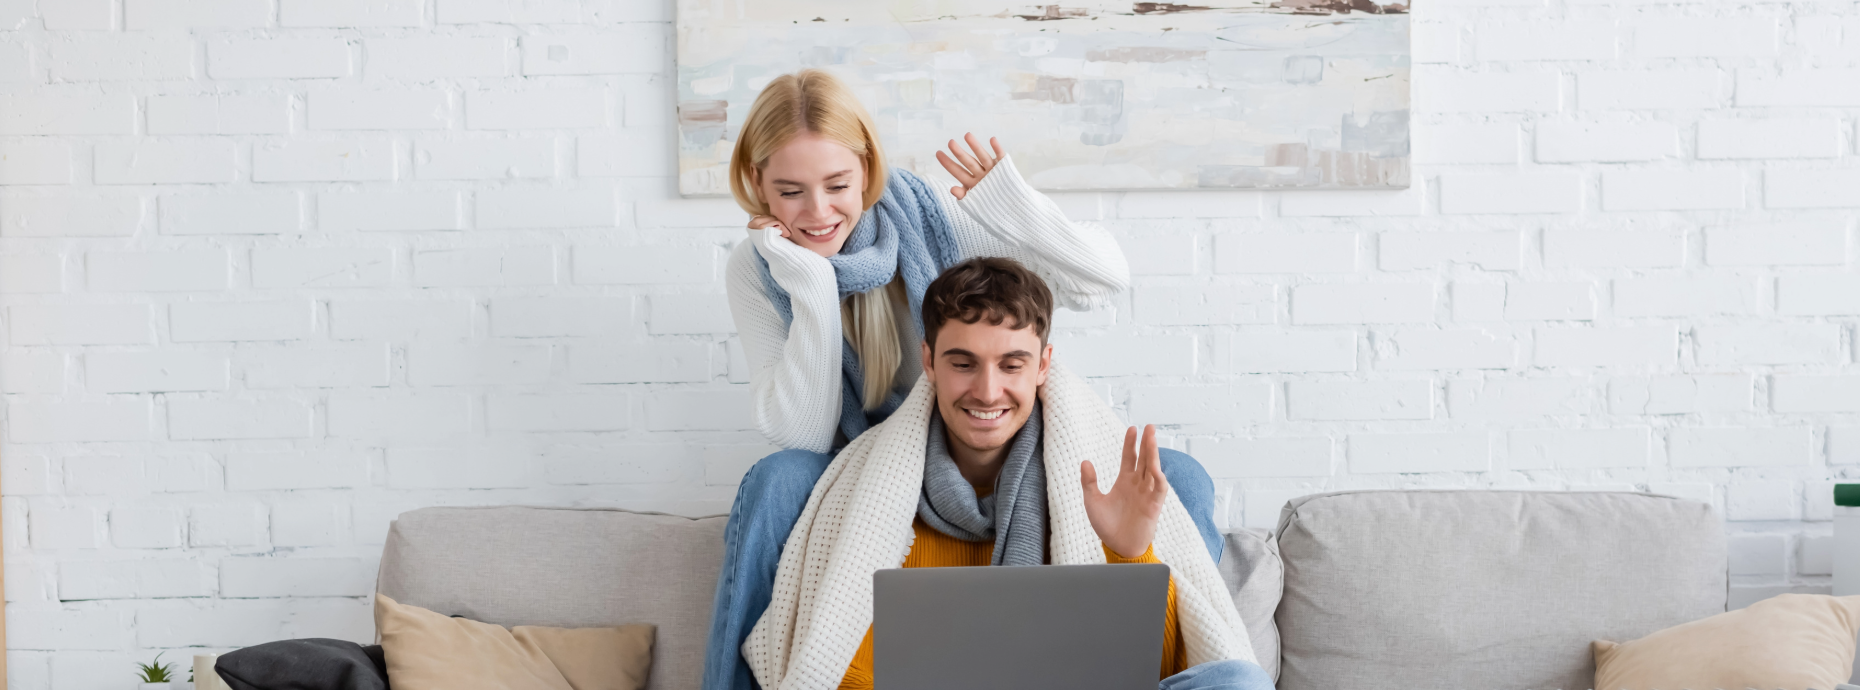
x=1396 y=589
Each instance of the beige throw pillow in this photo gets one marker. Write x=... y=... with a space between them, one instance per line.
x=1788 y=642
x=426 y=650
x=595 y=658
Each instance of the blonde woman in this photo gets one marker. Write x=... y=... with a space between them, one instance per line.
x=827 y=295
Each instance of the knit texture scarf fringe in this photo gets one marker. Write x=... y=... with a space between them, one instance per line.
x=905 y=234
x=858 y=521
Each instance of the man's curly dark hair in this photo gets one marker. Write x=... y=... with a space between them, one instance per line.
x=999 y=290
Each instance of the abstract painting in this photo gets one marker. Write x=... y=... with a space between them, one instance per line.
x=1246 y=94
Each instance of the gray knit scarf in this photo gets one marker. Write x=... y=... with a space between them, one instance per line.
x=1014 y=516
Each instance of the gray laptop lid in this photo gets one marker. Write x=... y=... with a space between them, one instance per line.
x=1071 y=627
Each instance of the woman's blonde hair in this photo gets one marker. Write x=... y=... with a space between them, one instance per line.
x=815 y=102
x=810 y=101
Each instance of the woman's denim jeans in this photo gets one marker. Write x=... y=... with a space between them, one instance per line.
x=770 y=499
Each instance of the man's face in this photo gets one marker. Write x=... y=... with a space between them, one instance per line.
x=987 y=378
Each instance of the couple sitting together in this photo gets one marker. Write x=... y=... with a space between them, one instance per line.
x=897 y=340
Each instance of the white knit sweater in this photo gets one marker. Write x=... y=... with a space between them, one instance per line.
x=858 y=521
x=794 y=370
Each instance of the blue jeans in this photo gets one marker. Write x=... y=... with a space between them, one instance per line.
x=1231 y=674
x=769 y=501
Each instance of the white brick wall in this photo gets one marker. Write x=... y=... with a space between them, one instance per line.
x=274 y=271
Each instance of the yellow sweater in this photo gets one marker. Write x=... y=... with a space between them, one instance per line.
x=934 y=549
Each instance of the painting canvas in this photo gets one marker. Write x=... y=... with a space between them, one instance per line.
x=1092 y=96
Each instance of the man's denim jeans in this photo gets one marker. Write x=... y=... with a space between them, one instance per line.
x=1231 y=674
x=770 y=499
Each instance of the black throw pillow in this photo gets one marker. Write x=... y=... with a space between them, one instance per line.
x=311 y=664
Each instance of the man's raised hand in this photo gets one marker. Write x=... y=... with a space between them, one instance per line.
x=1125 y=517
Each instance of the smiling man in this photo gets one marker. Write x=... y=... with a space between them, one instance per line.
x=981 y=414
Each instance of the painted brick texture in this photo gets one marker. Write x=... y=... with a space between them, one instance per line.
x=274 y=271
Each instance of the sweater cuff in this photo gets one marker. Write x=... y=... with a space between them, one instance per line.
x=795 y=268
x=1005 y=203
x=1114 y=558
x=1003 y=183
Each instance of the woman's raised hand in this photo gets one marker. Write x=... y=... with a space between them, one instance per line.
x=760 y=222
x=969 y=167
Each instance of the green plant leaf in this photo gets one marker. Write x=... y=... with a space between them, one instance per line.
x=155 y=671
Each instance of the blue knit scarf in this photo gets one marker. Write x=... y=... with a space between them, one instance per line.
x=904 y=234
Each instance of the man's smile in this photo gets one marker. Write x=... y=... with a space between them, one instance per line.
x=984 y=414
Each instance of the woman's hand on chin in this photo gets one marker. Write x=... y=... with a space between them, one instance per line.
x=969 y=167
x=761 y=222
x=791 y=264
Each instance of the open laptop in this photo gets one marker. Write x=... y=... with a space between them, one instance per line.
x=1071 y=627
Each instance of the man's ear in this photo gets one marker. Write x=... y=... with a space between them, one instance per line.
x=1046 y=362
x=928 y=360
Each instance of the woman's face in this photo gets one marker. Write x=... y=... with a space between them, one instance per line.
x=815 y=189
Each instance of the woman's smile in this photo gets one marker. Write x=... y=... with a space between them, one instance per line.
x=822 y=234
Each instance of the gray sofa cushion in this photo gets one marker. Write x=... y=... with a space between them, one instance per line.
x=516 y=565
x=1492 y=590
x=1256 y=578
x=564 y=567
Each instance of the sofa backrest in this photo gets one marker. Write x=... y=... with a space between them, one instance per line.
x=1494 y=590
x=566 y=567
x=514 y=565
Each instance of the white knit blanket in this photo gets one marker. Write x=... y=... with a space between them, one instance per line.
x=858 y=521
